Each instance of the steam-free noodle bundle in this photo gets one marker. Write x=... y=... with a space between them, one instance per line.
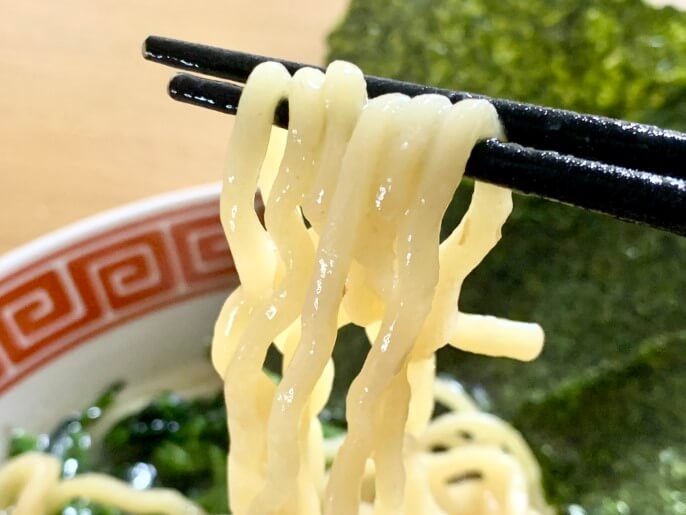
x=351 y=235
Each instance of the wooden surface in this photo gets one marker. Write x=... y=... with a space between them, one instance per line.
x=85 y=123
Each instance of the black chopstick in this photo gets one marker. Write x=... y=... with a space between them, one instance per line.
x=621 y=143
x=633 y=195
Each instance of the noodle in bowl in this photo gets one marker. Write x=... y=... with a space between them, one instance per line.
x=354 y=195
x=59 y=334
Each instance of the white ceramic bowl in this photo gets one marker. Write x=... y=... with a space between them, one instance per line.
x=129 y=294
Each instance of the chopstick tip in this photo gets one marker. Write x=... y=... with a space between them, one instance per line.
x=175 y=83
x=145 y=47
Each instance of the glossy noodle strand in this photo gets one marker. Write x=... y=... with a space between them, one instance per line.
x=354 y=194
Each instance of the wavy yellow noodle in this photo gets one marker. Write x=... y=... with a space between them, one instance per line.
x=31 y=484
x=354 y=194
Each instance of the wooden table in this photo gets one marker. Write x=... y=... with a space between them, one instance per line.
x=85 y=123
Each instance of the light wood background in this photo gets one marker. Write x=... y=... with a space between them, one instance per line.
x=85 y=123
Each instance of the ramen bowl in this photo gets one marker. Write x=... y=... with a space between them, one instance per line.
x=130 y=294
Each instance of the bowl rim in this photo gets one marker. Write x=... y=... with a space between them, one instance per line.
x=101 y=222
x=57 y=249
